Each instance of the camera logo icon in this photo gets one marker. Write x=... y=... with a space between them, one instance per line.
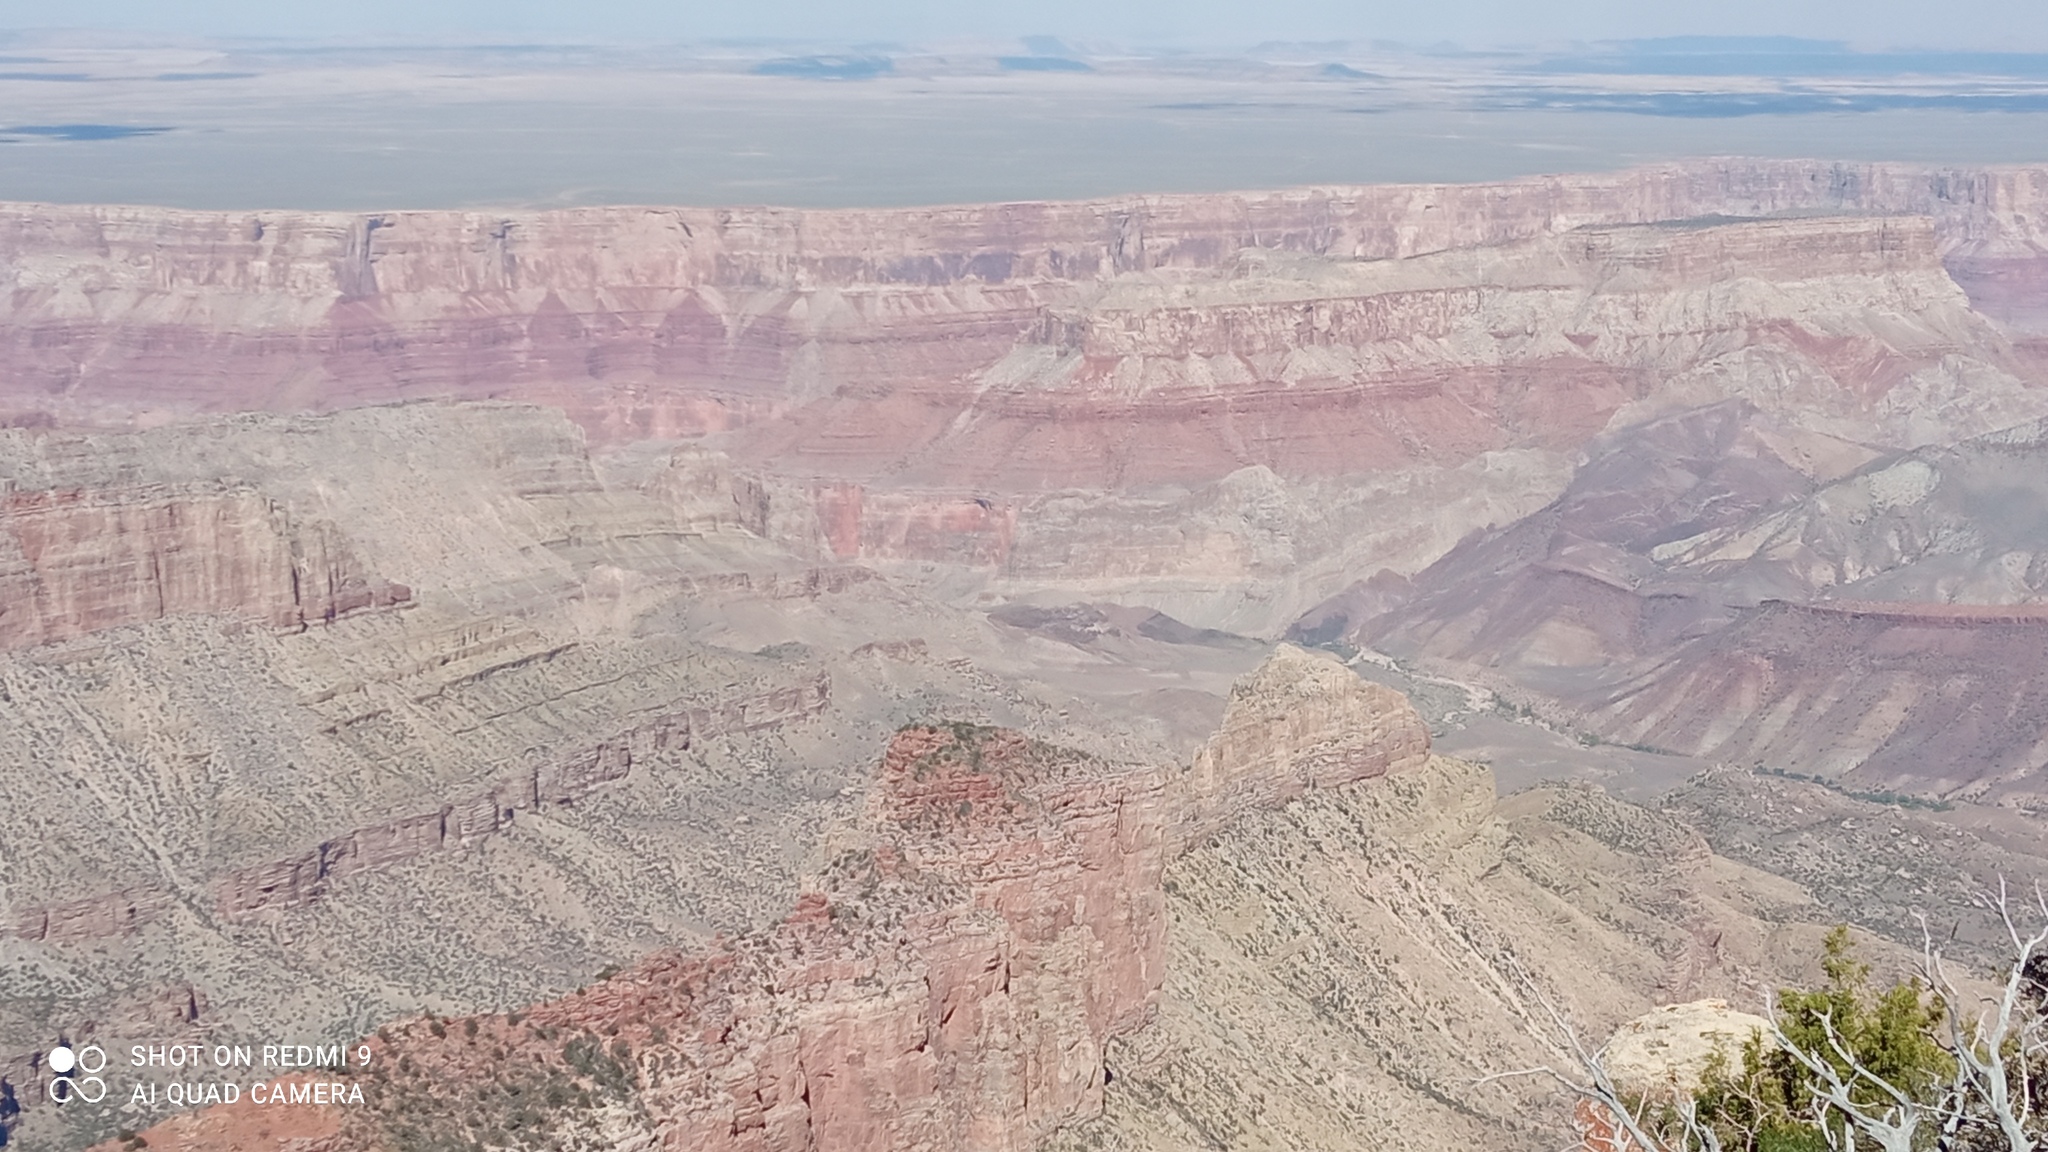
x=75 y=1073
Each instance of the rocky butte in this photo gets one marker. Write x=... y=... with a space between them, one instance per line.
x=995 y=917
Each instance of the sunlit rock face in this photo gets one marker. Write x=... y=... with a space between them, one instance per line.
x=1017 y=391
x=1303 y=721
x=995 y=916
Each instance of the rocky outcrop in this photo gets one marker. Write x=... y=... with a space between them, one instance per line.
x=948 y=982
x=95 y=917
x=1660 y=1056
x=77 y=561
x=1303 y=721
x=709 y=495
x=1670 y=1049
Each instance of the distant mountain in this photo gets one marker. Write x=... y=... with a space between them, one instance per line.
x=827 y=67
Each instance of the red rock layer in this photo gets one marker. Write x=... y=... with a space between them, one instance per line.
x=74 y=562
x=914 y=526
x=948 y=983
x=1030 y=441
x=647 y=321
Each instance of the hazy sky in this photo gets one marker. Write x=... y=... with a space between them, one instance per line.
x=1993 y=24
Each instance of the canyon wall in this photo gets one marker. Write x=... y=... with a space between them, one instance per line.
x=949 y=981
x=82 y=560
x=657 y=321
x=1723 y=584
x=1250 y=431
x=937 y=386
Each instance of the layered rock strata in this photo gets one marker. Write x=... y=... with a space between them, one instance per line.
x=1917 y=699
x=688 y=319
x=1301 y=722
x=948 y=982
x=82 y=560
x=982 y=388
x=1725 y=584
x=1224 y=444
x=299 y=880
x=1319 y=366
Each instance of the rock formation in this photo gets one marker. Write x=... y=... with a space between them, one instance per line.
x=1661 y=1055
x=947 y=982
x=1303 y=721
x=1724 y=585
x=404 y=617
x=78 y=561
x=1668 y=1050
x=986 y=386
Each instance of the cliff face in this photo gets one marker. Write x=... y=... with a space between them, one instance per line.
x=1316 y=366
x=82 y=560
x=667 y=321
x=1250 y=431
x=949 y=981
x=1301 y=722
x=944 y=386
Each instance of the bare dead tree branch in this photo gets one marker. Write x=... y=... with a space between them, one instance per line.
x=1589 y=1079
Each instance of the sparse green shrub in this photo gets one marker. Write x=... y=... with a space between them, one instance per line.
x=1767 y=1104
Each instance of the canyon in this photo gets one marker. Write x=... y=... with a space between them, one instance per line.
x=949 y=980
x=1715 y=586
x=989 y=949
x=1137 y=674
x=986 y=385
